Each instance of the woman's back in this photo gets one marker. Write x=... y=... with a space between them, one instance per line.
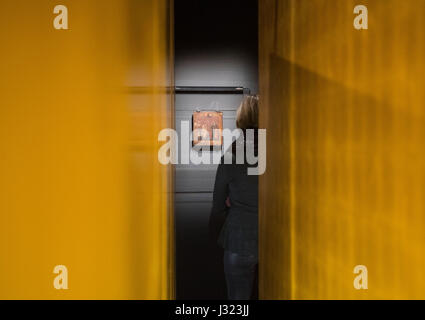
x=234 y=184
x=240 y=230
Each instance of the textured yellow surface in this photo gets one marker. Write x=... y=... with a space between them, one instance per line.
x=345 y=175
x=80 y=184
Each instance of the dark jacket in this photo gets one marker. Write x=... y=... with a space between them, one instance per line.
x=235 y=228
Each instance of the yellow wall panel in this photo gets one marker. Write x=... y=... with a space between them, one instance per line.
x=76 y=187
x=345 y=179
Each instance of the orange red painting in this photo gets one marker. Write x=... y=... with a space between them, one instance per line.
x=207 y=128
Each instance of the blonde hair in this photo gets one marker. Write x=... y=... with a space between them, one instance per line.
x=247 y=113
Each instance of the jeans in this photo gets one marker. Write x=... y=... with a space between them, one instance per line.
x=240 y=274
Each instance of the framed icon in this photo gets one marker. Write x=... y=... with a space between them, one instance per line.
x=207 y=128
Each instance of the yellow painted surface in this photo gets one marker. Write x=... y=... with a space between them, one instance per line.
x=80 y=183
x=345 y=179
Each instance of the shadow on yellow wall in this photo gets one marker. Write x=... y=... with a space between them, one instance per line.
x=344 y=110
